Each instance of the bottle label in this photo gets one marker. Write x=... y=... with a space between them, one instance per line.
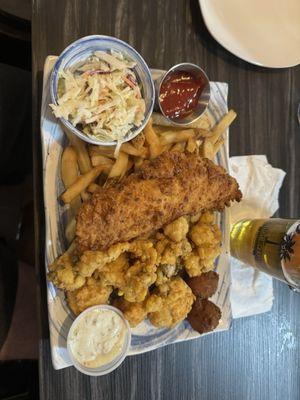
x=290 y=255
x=267 y=246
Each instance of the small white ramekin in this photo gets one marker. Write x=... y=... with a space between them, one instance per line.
x=117 y=361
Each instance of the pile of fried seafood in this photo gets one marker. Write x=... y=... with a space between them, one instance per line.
x=147 y=242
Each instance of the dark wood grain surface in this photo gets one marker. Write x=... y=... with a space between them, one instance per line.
x=259 y=357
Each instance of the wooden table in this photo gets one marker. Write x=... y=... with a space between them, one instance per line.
x=259 y=357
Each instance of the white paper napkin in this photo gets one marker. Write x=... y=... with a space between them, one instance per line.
x=252 y=290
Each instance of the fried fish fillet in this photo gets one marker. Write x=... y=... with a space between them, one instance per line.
x=161 y=190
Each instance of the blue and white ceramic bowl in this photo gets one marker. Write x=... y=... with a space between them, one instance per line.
x=81 y=50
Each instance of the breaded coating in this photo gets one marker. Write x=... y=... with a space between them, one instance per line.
x=206 y=218
x=153 y=303
x=94 y=292
x=165 y=272
x=177 y=299
x=192 y=264
x=114 y=272
x=95 y=260
x=207 y=239
x=136 y=312
x=177 y=230
x=204 y=316
x=203 y=234
x=142 y=274
x=208 y=255
x=63 y=274
x=162 y=190
x=169 y=251
x=204 y=285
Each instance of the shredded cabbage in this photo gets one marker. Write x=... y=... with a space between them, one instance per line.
x=101 y=96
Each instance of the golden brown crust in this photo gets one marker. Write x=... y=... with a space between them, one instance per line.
x=177 y=299
x=162 y=190
x=93 y=293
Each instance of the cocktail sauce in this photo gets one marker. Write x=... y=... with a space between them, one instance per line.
x=179 y=93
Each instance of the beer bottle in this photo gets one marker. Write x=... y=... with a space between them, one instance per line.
x=270 y=245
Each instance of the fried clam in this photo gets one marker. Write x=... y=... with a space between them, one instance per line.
x=92 y=293
x=206 y=238
x=69 y=271
x=177 y=299
x=113 y=273
x=64 y=274
x=169 y=251
x=133 y=272
x=130 y=267
x=136 y=312
x=142 y=273
x=177 y=230
x=90 y=261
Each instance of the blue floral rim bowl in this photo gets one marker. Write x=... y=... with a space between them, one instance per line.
x=80 y=50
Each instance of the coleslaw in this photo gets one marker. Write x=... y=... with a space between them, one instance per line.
x=101 y=96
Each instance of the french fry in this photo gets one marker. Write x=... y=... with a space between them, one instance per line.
x=176 y=137
x=83 y=158
x=81 y=184
x=158 y=129
x=108 y=151
x=99 y=159
x=101 y=179
x=139 y=141
x=70 y=230
x=202 y=133
x=191 y=145
x=85 y=195
x=93 y=187
x=167 y=147
x=180 y=147
x=208 y=149
x=111 y=182
x=69 y=174
x=138 y=161
x=222 y=125
x=153 y=140
x=199 y=142
x=69 y=171
x=133 y=151
x=218 y=145
x=203 y=122
x=120 y=165
x=129 y=165
x=72 y=248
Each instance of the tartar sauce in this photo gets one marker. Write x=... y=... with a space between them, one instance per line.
x=97 y=338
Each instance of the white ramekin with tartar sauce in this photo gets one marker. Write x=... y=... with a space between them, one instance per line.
x=99 y=340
